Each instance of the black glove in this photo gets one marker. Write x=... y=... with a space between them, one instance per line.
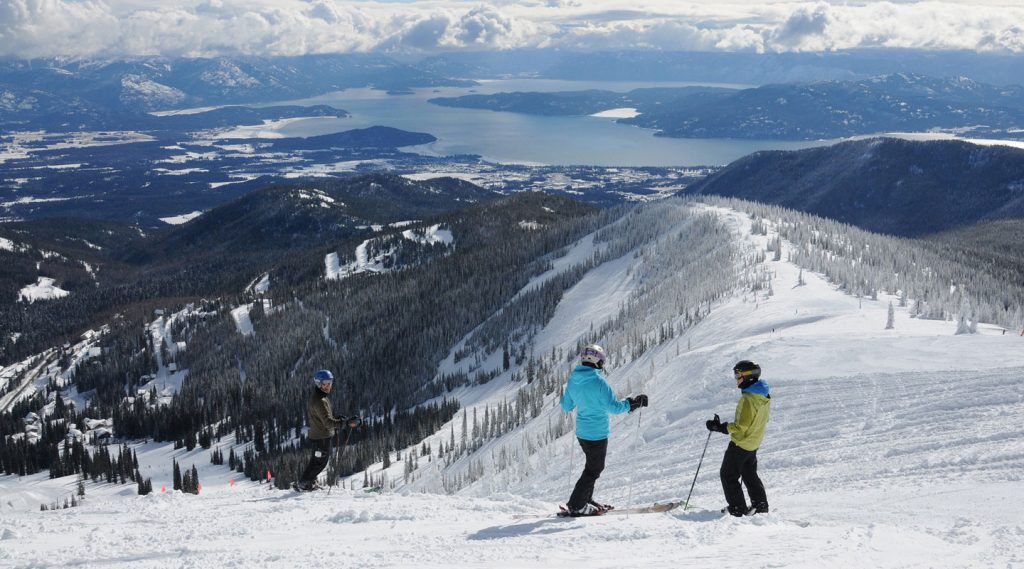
x=354 y=422
x=716 y=424
x=635 y=402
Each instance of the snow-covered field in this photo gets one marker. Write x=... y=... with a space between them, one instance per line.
x=181 y=219
x=269 y=128
x=242 y=321
x=43 y=289
x=19 y=145
x=886 y=448
x=619 y=113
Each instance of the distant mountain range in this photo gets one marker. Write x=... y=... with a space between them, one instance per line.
x=886 y=185
x=570 y=103
x=309 y=214
x=834 y=109
x=806 y=111
x=282 y=229
x=744 y=68
x=83 y=94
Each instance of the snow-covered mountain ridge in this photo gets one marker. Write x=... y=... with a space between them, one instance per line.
x=886 y=447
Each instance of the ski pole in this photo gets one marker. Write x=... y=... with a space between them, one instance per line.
x=687 y=504
x=341 y=454
x=636 y=445
x=572 y=455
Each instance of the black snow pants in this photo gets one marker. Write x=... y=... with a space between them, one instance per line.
x=739 y=463
x=595 y=452
x=318 y=460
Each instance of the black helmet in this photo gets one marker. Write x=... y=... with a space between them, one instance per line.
x=747 y=370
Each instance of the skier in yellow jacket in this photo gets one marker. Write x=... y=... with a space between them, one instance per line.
x=746 y=433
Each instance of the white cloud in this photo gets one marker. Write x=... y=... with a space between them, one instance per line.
x=805 y=22
x=35 y=28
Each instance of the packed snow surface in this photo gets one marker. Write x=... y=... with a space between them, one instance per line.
x=886 y=448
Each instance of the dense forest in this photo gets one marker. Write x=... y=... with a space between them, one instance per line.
x=382 y=334
x=887 y=185
x=112 y=268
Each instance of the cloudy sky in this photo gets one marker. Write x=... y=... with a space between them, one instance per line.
x=42 y=28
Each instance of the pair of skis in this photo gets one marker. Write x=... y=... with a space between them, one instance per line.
x=652 y=509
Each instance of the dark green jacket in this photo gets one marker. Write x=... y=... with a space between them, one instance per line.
x=322 y=421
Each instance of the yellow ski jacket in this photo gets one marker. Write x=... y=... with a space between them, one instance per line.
x=747 y=429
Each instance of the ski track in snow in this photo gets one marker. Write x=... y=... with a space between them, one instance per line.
x=886 y=448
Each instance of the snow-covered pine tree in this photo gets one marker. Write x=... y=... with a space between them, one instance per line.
x=965 y=317
x=961 y=326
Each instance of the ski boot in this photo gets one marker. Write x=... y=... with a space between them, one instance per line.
x=738 y=511
x=605 y=507
x=585 y=511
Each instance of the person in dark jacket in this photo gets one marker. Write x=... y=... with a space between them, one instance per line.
x=588 y=391
x=322 y=426
x=745 y=433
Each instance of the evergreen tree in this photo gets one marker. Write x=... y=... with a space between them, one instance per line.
x=177 y=476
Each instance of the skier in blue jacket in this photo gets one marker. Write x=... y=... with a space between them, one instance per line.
x=588 y=391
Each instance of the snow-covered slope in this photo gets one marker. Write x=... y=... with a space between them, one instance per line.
x=379 y=254
x=44 y=289
x=886 y=448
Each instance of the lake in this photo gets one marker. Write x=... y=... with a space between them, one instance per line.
x=518 y=138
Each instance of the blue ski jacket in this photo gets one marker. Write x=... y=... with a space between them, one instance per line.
x=590 y=393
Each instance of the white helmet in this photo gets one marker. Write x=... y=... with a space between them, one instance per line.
x=594 y=354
